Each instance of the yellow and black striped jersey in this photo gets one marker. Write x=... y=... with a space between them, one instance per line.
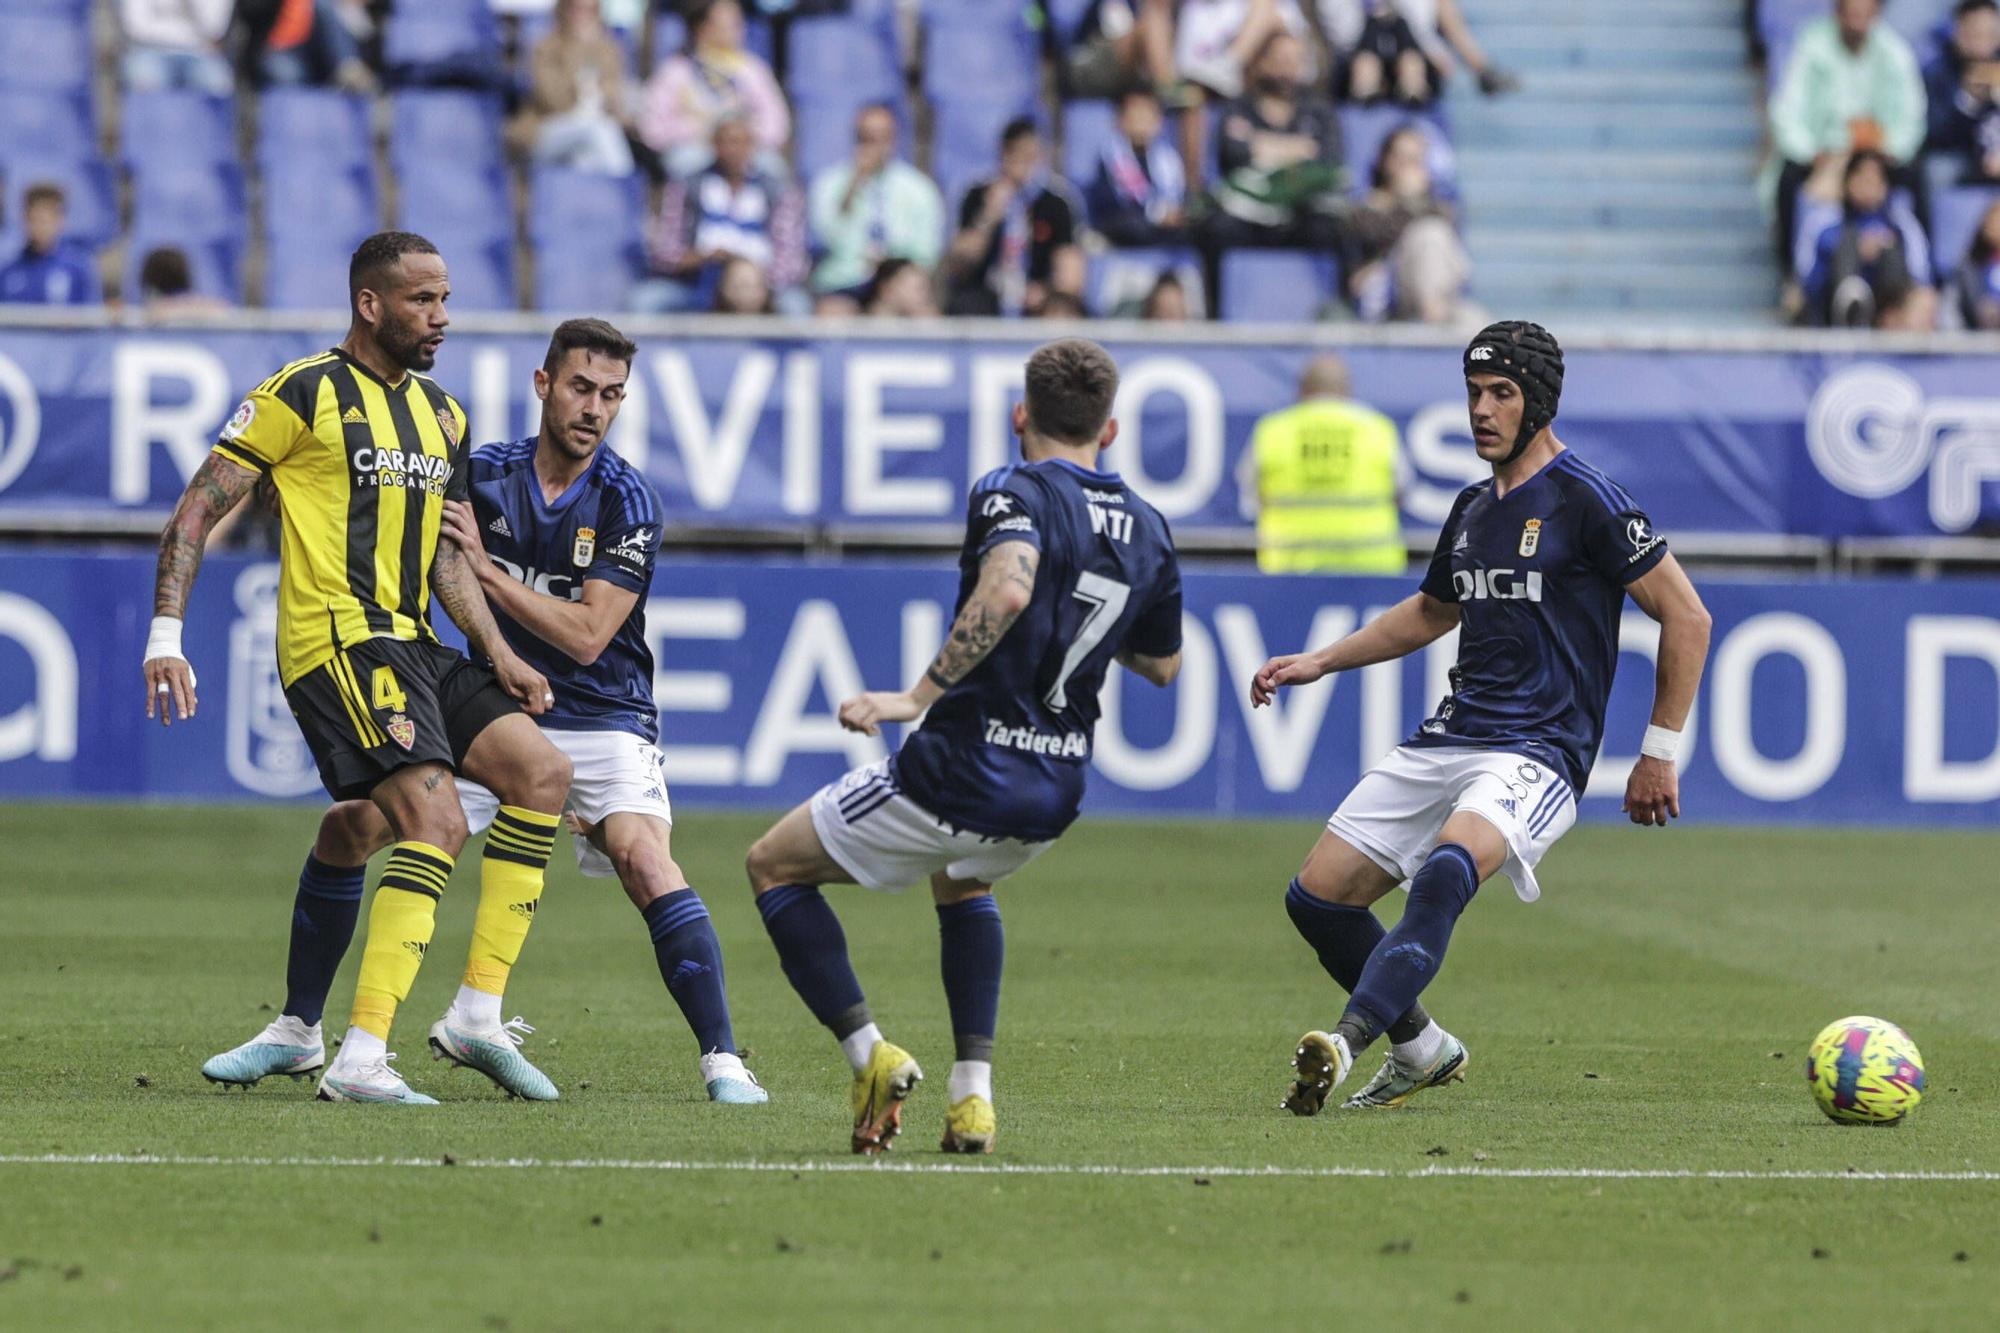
x=363 y=468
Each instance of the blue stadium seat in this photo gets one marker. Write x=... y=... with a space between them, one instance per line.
x=214 y=266
x=53 y=124
x=189 y=200
x=965 y=143
x=426 y=126
x=315 y=125
x=438 y=30
x=300 y=200
x=86 y=183
x=308 y=271
x=456 y=198
x=1065 y=17
x=987 y=50
x=181 y=127
x=842 y=56
x=670 y=34
x=1276 y=286
x=585 y=232
x=1123 y=277
x=481 y=270
x=45 y=52
x=1955 y=215
x=1088 y=127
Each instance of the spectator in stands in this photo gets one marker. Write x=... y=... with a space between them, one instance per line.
x=1403 y=50
x=731 y=209
x=1016 y=239
x=1872 y=267
x=1167 y=303
x=577 y=99
x=742 y=289
x=1139 y=195
x=1282 y=173
x=1215 y=42
x=900 y=290
x=869 y=209
x=176 y=45
x=1120 y=44
x=713 y=79
x=50 y=270
x=166 y=287
x=1411 y=263
x=302 y=42
x=1978 y=283
x=1964 y=88
x=1852 y=83
x=1062 y=305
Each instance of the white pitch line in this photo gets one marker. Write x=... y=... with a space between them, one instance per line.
x=891 y=1167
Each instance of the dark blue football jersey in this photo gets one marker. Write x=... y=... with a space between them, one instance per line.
x=1539 y=579
x=1004 y=752
x=605 y=526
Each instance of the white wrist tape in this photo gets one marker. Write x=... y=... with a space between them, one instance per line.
x=164 y=640
x=1661 y=744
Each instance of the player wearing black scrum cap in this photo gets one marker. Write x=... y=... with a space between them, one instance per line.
x=1532 y=567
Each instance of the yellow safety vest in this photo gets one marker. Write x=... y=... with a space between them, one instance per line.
x=1326 y=485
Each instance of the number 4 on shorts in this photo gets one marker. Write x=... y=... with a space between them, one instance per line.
x=387 y=693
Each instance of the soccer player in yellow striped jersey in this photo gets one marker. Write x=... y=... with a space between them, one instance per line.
x=364 y=452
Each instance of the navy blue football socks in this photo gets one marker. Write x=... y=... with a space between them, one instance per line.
x=690 y=960
x=1410 y=955
x=1344 y=936
x=971 y=948
x=812 y=948
x=323 y=917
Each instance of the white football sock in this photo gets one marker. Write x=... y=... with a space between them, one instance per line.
x=358 y=1047
x=858 y=1043
x=477 y=1008
x=970 y=1078
x=1419 y=1051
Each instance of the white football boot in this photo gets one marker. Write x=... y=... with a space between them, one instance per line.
x=369 y=1081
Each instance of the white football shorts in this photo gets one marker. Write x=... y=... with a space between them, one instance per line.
x=615 y=773
x=1394 y=814
x=885 y=840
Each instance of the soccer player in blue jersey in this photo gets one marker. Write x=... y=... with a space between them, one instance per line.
x=1064 y=571
x=1532 y=568
x=566 y=533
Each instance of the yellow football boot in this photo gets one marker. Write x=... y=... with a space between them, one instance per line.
x=1321 y=1064
x=969 y=1126
x=877 y=1096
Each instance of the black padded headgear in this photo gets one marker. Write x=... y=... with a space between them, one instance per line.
x=1529 y=355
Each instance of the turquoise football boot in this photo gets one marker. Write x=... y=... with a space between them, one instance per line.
x=1395 y=1083
x=729 y=1083
x=494 y=1052
x=286 y=1047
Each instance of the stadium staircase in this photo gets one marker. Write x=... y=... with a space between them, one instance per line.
x=1616 y=187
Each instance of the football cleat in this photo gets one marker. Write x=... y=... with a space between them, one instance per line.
x=877 y=1096
x=1394 y=1083
x=1321 y=1063
x=494 y=1052
x=369 y=1081
x=729 y=1083
x=969 y=1126
x=286 y=1047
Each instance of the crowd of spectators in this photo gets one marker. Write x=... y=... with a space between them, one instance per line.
x=1221 y=129
x=1888 y=167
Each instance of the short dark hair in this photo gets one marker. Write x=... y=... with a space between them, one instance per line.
x=43 y=192
x=1965 y=7
x=166 y=272
x=1071 y=385
x=380 y=252
x=1864 y=157
x=587 y=335
x=1019 y=128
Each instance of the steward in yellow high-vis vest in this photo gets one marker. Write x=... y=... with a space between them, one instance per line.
x=1324 y=474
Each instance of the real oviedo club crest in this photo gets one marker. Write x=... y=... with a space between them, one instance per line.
x=586 y=546
x=1531 y=536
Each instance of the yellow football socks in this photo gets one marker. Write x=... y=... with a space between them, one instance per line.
x=400 y=922
x=510 y=886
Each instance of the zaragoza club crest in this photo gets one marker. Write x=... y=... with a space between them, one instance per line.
x=402 y=731
x=449 y=425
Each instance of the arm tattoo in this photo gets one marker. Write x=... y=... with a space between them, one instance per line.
x=458 y=589
x=215 y=489
x=981 y=624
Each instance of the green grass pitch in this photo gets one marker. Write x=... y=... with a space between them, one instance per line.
x=1649 y=1015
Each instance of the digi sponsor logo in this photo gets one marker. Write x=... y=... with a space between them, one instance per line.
x=1500 y=585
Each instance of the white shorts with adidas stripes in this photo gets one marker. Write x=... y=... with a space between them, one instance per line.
x=1394 y=814
x=885 y=840
x=614 y=773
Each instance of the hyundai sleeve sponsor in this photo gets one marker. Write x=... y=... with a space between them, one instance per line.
x=1871 y=701
x=784 y=432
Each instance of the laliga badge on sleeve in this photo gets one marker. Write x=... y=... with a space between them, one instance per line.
x=402 y=731
x=1531 y=536
x=586 y=546
x=240 y=421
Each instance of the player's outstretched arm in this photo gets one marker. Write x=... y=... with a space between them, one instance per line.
x=217 y=486
x=456 y=587
x=1410 y=624
x=1006 y=586
x=1653 y=793
x=581 y=630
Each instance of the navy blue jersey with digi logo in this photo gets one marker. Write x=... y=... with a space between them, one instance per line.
x=1539 y=578
x=605 y=526
x=1004 y=752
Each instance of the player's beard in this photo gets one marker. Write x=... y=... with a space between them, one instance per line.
x=407 y=347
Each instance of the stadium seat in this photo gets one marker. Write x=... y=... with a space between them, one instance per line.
x=965 y=142
x=584 y=230
x=1120 y=279
x=53 y=124
x=179 y=127
x=1276 y=286
x=1065 y=17
x=988 y=50
x=189 y=200
x=429 y=125
x=438 y=31
x=481 y=270
x=308 y=271
x=314 y=125
x=1088 y=126
x=460 y=199
x=45 y=52
x=86 y=183
x=300 y=200
x=670 y=34
x=1955 y=215
x=842 y=56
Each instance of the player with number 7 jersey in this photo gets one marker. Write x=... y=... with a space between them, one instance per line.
x=1064 y=571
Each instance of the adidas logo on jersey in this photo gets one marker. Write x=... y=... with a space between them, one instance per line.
x=498 y=527
x=354 y=416
x=1462 y=542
